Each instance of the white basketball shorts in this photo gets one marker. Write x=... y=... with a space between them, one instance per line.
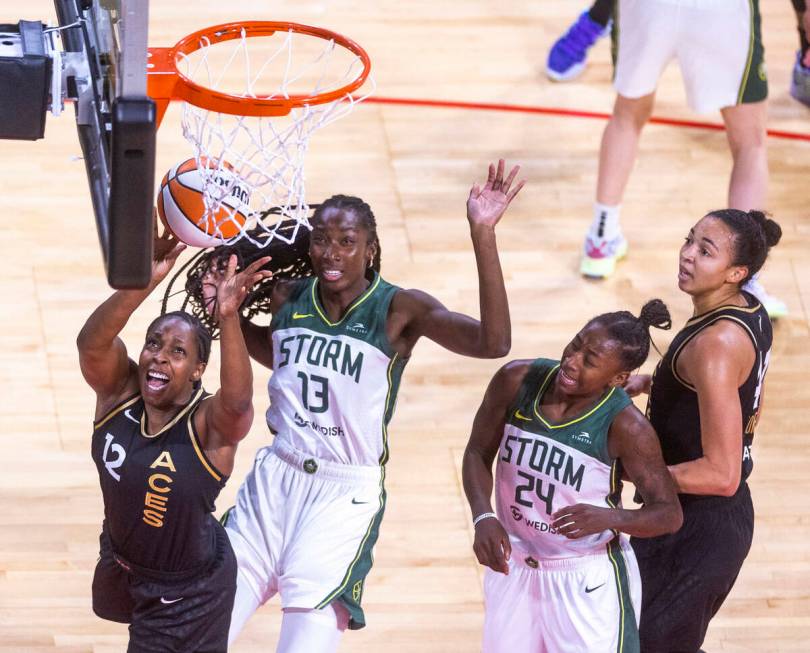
x=586 y=604
x=717 y=44
x=305 y=528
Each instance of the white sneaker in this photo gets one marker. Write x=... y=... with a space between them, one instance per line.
x=774 y=306
x=600 y=256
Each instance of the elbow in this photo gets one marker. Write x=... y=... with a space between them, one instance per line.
x=728 y=489
x=498 y=348
x=728 y=483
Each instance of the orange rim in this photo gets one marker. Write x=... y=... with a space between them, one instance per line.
x=165 y=82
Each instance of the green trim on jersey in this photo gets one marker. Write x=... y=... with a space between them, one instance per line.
x=754 y=82
x=614 y=39
x=350 y=590
x=363 y=297
x=628 y=630
x=587 y=433
x=394 y=377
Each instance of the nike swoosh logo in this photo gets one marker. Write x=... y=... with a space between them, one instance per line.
x=299 y=316
x=588 y=590
x=357 y=503
x=129 y=415
x=169 y=601
x=520 y=415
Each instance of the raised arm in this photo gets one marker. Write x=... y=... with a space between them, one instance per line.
x=491 y=546
x=416 y=314
x=225 y=418
x=716 y=363
x=633 y=441
x=102 y=354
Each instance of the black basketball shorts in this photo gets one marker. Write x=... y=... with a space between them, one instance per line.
x=686 y=576
x=177 y=615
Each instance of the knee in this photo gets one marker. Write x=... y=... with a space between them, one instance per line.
x=632 y=113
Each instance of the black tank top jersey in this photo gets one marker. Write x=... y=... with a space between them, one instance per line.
x=159 y=490
x=673 y=405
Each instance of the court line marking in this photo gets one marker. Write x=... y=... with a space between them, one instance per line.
x=569 y=113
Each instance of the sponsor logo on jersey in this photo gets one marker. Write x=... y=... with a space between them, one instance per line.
x=334 y=431
x=128 y=415
x=520 y=415
x=317 y=350
x=584 y=437
x=358 y=327
x=300 y=316
x=537 y=524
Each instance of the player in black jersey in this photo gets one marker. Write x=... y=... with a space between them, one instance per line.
x=705 y=400
x=164 y=449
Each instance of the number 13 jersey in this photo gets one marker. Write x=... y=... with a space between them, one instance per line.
x=334 y=384
x=544 y=466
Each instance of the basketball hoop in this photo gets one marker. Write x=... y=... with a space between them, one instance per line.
x=254 y=93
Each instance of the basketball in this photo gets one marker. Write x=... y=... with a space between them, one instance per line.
x=181 y=202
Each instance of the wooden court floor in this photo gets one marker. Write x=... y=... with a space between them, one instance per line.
x=414 y=166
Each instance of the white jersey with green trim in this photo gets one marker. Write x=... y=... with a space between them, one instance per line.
x=544 y=466
x=334 y=384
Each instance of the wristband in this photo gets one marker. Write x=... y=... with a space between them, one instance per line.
x=482 y=517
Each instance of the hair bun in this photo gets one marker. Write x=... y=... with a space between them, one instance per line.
x=773 y=232
x=770 y=228
x=655 y=313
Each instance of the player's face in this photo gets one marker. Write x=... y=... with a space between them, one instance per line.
x=169 y=363
x=590 y=363
x=340 y=251
x=706 y=258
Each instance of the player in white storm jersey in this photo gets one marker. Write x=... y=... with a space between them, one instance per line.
x=308 y=514
x=561 y=578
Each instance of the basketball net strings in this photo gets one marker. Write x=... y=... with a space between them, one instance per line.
x=266 y=153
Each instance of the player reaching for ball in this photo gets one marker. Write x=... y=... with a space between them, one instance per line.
x=164 y=448
x=309 y=513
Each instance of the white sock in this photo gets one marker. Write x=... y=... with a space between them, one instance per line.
x=605 y=225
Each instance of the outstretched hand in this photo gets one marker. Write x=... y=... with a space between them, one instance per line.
x=231 y=287
x=167 y=247
x=486 y=206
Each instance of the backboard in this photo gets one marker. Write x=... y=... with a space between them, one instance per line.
x=104 y=45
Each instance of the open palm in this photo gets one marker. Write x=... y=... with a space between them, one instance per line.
x=486 y=205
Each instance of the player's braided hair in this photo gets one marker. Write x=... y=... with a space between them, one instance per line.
x=754 y=235
x=289 y=260
x=632 y=332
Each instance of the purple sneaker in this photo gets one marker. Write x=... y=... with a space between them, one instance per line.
x=566 y=59
x=800 y=82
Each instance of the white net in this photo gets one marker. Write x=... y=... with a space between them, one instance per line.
x=265 y=154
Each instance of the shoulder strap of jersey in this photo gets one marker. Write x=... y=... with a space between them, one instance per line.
x=740 y=315
x=123 y=405
x=539 y=372
x=197 y=443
